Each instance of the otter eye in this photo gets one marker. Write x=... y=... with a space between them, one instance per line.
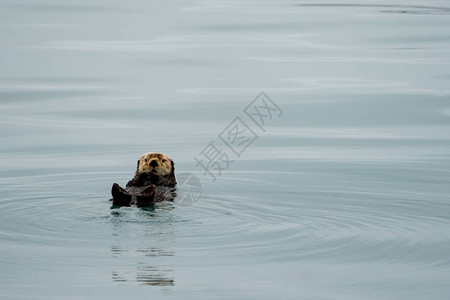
x=163 y=160
x=146 y=160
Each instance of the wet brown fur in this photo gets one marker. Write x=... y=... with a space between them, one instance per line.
x=154 y=181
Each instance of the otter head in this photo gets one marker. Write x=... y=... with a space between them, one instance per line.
x=155 y=163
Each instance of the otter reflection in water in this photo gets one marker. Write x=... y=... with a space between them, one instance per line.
x=144 y=273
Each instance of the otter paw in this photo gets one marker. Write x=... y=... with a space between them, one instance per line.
x=146 y=197
x=120 y=196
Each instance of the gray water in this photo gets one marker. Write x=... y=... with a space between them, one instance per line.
x=343 y=196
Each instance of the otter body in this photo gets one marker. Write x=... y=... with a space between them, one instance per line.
x=153 y=182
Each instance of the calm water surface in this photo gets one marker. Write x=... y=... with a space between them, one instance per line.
x=345 y=196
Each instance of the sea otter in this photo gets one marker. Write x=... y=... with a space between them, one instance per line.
x=153 y=182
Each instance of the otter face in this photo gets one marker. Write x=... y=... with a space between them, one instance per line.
x=156 y=163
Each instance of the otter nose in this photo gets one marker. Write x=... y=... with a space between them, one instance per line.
x=153 y=163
